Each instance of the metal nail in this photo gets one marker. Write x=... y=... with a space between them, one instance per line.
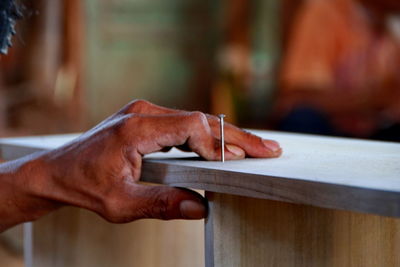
x=221 y=130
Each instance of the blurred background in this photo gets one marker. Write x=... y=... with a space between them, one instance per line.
x=328 y=67
x=318 y=66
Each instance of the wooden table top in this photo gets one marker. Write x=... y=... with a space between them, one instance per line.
x=339 y=173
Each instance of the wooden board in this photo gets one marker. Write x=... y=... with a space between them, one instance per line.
x=346 y=174
x=336 y=173
x=79 y=238
x=251 y=232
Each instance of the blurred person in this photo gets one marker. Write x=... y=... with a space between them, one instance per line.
x=341 y=73
x=100 y=169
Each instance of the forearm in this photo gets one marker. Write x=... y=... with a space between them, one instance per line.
x=21 y=191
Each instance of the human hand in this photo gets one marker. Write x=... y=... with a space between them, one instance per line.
x=100 y=170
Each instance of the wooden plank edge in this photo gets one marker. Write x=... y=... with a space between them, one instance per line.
x=325 y=195
x=319 y=194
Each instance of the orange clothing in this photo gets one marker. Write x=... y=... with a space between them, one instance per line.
x=335 y=52
x=333 y=47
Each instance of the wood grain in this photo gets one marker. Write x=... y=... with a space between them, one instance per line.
x=345 y=174
x=76 y=237
x=338 y=173
x=254 y=232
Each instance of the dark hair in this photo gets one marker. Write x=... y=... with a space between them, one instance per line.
x=9 y=13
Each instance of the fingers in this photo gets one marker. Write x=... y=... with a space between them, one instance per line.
x=254 y=146
x=166 y=203
x=131 y=201
x=239 y=143
x=189 y=129
x=213 y=150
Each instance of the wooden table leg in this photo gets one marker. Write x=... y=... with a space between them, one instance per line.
x=244 y=231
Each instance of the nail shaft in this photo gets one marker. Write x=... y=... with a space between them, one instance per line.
x=221 y=127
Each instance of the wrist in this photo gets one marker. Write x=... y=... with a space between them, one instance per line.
x=35 y=184
x=22 y=191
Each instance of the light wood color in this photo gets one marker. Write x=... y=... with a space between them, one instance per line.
x=321 y=183
x=76 y=237
x=11 y=247
x=338 y=173
x=255 y=232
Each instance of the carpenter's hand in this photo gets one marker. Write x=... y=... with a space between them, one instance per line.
x=100 y=170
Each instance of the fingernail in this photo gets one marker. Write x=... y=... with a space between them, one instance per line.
x=192 y=209
x=237 y=151
x=272 y=145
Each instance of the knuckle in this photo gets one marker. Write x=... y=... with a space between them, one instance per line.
x=257 y=141
x=198 y=118
x=157 y=210
x=252 y=137
x=138 y=105
x=160 y=208
x=120 y=126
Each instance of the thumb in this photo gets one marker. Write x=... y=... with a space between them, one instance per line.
x=166 y=203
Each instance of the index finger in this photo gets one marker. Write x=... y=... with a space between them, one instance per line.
x=253 y=145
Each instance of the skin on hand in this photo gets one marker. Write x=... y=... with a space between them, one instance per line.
x=100 y=170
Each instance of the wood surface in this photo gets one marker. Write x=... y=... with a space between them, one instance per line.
x=256 y=232
x=79 y=238
x=11 y=243
x=346 y=174
x=338 y=173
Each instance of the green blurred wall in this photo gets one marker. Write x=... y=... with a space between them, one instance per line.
x=165 y=52
x=151 y=49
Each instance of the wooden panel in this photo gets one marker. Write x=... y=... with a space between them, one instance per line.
x=76 y=237
x=253 y=232
x=11 y=247
x=329 y=172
